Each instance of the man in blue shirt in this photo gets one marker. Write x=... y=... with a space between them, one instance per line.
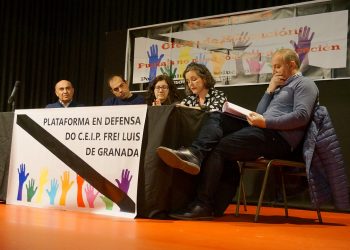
x=275 y=130
x=120 y=88
x=64 y=90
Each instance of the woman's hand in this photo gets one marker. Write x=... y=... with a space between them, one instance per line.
x=156 y=102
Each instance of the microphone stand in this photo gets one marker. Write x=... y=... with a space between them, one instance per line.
x=12 y=100
x=13 y=105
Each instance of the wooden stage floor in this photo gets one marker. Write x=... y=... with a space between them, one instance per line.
x=34 y=229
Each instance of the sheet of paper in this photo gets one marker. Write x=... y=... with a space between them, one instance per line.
x=235 y=109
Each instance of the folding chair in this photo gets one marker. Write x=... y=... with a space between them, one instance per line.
x=263 y=164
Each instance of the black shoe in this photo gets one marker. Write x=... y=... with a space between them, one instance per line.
x=182 y=159
x=197 y=212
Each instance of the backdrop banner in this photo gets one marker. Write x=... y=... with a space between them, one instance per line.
x=84 y=159
x=237 y=51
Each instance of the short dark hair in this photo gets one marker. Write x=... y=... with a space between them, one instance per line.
x=115 y=75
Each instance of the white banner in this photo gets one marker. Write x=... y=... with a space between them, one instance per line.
x=320 y=40
x=84 y=159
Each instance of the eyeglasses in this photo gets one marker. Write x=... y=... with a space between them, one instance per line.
x=161 y=87
x=117 y=89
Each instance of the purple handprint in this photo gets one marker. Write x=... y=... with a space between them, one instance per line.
x=153 y=61
x=125 y=181
x=304 y=43
x=22 y=177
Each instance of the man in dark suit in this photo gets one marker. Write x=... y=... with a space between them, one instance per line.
x=64 y=90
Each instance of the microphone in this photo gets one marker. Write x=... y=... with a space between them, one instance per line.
x=14 y=92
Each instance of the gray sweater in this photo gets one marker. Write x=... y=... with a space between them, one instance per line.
x=289 y=108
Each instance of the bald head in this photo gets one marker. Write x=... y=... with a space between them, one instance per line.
x=64 y=90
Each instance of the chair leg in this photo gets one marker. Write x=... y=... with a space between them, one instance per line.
x=267 y=172
x=238 y=198
x=241 y=170
x=284 y=193
x=319 y=216
x=244 y=197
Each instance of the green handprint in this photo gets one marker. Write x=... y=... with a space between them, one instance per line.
x=168 y=70
x=31 y=190
x=108 y=202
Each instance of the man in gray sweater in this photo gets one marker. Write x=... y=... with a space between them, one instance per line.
x=274 y=131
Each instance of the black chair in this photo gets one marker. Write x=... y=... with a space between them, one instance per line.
x=266 y=165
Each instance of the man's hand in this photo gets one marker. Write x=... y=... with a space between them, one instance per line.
x=276 y=81
x=256 y=120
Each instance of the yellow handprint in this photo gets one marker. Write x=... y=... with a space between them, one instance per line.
x=218 y=59
x=42 y=182
x=184 y=58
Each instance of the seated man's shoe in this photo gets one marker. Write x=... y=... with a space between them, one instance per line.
x=182 y=159
x=196 y=212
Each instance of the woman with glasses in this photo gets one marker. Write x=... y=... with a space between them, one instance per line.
x=162 y=91
x=199 y=85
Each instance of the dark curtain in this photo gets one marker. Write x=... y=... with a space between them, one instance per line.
x=44 y=41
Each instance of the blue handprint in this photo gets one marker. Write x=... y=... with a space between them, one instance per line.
x=125 y=181
x=153 y=61
x=53 y=191
x=22 y=177
x=304 y=43
x=201 y=59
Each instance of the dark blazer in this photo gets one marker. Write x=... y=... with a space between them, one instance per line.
x=59 y=105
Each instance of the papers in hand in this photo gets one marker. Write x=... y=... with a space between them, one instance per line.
x=235 y=110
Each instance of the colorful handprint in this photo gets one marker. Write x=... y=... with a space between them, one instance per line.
x=66 y=185
x=304 y=43
x=31 y=189
x=124 y=183
x=53 y=191
x=90 y=195
x=22 y=177
x=153 y=60
x=108 y=202
x=80 y=182
x=43 y=179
